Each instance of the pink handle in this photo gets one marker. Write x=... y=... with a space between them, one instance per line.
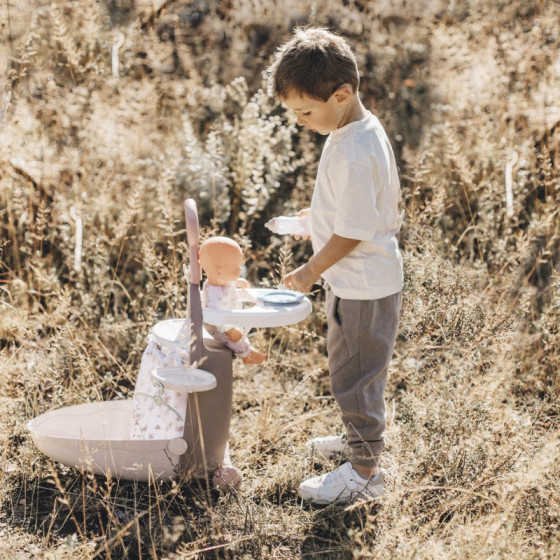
x=194 y=309
x=193 y=239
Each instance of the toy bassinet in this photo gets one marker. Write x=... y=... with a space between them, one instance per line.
x=97 y=436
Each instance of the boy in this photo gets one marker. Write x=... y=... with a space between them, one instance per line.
x=354 y=221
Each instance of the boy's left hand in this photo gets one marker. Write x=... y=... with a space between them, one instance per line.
x=301 y=279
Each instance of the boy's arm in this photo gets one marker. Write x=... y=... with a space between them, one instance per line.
x=303 y=278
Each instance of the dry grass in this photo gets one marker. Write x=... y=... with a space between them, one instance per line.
x=96 y=160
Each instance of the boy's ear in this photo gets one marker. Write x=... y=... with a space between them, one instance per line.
x=343 y=93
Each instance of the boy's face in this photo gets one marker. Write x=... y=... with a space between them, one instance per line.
x=317 y=115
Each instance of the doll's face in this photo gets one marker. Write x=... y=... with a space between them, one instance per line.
x=221 y=261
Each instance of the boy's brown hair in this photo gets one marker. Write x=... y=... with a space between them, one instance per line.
x=314 y=62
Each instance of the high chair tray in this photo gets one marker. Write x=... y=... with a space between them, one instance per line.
x=259 y=313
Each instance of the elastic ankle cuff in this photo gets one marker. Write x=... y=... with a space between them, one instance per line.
x=366 y=480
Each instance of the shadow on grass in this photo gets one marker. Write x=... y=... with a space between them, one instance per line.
x=124 y=519
x=330 y=536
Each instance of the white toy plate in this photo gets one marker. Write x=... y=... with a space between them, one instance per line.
x=183 y=379
x=281 y=297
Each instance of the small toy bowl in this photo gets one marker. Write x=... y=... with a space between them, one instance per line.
x=281 y=297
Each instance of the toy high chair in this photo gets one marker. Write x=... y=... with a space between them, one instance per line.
x=97 y=436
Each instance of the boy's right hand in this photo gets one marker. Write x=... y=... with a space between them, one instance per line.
x=305 y=212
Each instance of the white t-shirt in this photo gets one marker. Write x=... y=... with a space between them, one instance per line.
x=356 y=195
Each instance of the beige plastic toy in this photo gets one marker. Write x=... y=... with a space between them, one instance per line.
x=122 y=438
x=221 y=259
x=107 y=437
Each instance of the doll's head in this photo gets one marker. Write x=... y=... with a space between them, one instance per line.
x=221 y=259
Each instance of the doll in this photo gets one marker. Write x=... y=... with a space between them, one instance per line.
x=221 y=259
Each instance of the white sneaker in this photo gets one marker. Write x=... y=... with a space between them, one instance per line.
x=343 y=485
x=328 y=446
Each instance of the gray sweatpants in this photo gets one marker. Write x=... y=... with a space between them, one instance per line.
x=360 y=342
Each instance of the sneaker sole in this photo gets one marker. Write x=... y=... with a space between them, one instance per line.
x=379 y=493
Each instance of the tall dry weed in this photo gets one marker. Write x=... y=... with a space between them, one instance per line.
x=113 y=113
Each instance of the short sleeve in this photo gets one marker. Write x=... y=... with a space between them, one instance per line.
x=353 y=183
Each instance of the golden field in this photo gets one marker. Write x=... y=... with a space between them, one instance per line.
x=113 y=112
